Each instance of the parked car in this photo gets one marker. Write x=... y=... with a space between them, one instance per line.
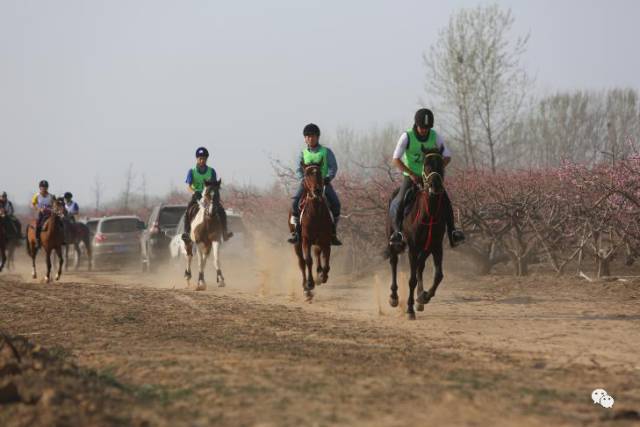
x=117 y=239
x=239 y=244
x=91 y=223
x=154 y=242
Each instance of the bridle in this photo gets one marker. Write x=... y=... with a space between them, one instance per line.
x=428 y=178
x=310 y=194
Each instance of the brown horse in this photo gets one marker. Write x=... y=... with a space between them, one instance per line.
x=52 y=238
x=206 y=234
x=74 y=234
x=3 y=239
x=424 y=228
x=316 y=229
x=9 y=239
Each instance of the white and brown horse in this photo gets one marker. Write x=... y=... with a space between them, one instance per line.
x=206 y=235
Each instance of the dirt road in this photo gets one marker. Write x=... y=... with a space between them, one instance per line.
x=126 y=349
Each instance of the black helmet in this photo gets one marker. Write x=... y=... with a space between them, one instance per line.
x=44 y=184
x=202 y=152
x=424 y=118
x=68 y=195
x=311 y=129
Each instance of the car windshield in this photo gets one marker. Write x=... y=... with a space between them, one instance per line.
x=122 y=225
x=169 y=217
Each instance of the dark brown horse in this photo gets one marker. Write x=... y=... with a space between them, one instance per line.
x=424 y=228
x=206 y=235
x=3 y=239
x=74 y=234
x=9 y=239
x=52 y=238
x=316 y=230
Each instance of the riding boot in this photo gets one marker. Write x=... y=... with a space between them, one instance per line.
x=397 y=238
x=186 y=235
x=226 y=234
x=455 y=236
x=334 y=236
x=295 y=234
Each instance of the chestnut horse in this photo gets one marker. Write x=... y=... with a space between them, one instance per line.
x=316 y=227
x=424 y=229
x=206 y=234
x=52 y=238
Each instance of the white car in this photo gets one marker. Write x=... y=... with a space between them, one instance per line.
x=239 y=244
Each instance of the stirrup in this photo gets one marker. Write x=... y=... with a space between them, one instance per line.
x=396 y=238
x=186 y=238
x=457 y=238
x=227 y=236
x=335 y=241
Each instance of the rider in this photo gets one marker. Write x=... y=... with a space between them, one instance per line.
x=42 y=202
x=316 y=153
x=196 y=178
x=71 y=207
x=6 y=204
x=409 y=159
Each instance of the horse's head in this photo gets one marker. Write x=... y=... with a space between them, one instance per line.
x=58 y=206
x=312 y=179
x=211 y=193
x=433 y=171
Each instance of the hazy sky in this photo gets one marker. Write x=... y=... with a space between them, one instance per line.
x=87 y=87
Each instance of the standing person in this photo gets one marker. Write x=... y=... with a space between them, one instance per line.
x=316 y=153
x=42 y=203
x=408 y=158
x=196 y=178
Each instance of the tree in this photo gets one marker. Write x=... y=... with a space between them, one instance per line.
x=474 y=70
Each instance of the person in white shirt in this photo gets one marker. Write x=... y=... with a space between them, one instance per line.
x=408 y=158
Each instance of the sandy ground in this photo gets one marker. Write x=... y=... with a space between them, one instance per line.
x=122 y=348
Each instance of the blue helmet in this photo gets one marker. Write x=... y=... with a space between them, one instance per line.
x=202 y=152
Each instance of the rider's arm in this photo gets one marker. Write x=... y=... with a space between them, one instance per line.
x=189 y=180
x=299 y=168
x=332 y=165
x=446 y=154
x=34 y=202
x=401 y=147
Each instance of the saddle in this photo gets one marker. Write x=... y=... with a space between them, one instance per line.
x=409 y=199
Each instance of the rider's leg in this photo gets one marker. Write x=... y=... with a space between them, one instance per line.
x=295 y=215
x=334 y=204
x=455 y=236
x=187 y=216
x=397 y=224
x=222 y=214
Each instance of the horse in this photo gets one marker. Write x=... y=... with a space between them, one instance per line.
x=74 y=234
x=9 y=239
x=52 y=238
x=206 y=235
x=424 y=228
x=316 y=225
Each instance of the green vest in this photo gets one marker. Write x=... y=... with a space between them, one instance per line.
x=198 y=179
x=319 y=156
x=413 y=157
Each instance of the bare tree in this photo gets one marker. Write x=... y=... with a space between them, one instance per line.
x=97 y=189
x=474 y=69
x=128 y=184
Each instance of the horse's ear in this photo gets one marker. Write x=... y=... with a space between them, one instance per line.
x=219 y=182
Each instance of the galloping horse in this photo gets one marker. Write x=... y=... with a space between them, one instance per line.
x=52 y=238
x=9 y=239
x=206 y=234
x=424 y=229
x=74 y=233
x=316 y=228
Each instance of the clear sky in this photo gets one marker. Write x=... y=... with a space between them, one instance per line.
x=88 y=87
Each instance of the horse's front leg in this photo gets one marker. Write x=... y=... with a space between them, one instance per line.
x=393 y=260
x=203 y=254
x=326 y=257
x=438 y=275
x=60 y=262
x=77 y=263
x=301 y=264
x=187 y=272
x=217 y=264
x=47 y=277
x=413 y=261
x=308 y=259
x=422 y=260
x=3 y=257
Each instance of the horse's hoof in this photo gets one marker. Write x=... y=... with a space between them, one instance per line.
x=393 y=302
x=222 y=284
x=34 y=276
x=57 y=278
x=419 y=307
x=308 y=296
x=411 y=316
x=201 y=287
x=310 y=286
x=423 y=298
